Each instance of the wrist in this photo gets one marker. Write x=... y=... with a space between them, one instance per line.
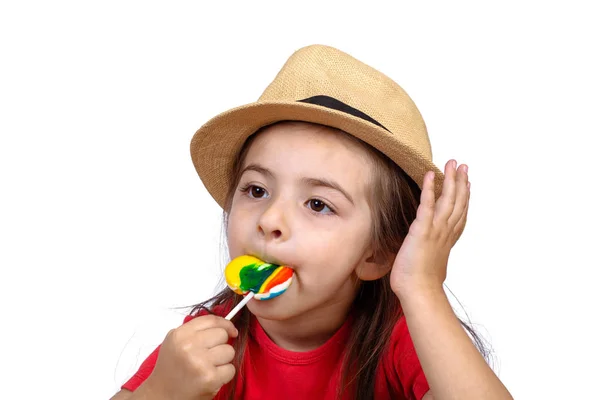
x=418 y=287
x=417 y=290
x=149 y=391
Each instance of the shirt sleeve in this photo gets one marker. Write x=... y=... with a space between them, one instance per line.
x=143 y=372
x=402 y=365
x=146 y=368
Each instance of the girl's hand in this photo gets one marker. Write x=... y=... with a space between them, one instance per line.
x=194 y=360
x=422 y=260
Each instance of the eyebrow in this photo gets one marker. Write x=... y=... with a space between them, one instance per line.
x=315 y=182
x=328 y=184
x=259 y=169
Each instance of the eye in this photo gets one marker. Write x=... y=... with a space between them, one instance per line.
x=319 y=206
x=256 y=192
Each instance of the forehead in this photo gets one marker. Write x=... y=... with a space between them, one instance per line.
x=311 y=151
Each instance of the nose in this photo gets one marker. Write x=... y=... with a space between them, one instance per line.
x=272 y=224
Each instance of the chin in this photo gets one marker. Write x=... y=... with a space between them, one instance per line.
x=274 y=309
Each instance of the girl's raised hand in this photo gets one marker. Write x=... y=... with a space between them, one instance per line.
x=422 y=260
x=194 y=361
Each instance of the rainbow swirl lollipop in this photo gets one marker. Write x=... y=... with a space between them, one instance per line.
x=249 y=274
x=256 y=279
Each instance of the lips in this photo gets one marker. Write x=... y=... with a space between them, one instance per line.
x=272 y=260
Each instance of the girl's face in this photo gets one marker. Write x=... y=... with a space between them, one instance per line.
x=302 y=202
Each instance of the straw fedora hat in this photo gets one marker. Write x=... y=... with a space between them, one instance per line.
x=323 y=85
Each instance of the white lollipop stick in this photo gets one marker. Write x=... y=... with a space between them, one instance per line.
x=240 y=305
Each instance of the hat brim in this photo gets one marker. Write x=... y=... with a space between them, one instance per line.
x=215 y=146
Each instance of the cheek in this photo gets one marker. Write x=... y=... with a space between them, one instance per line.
x=238 y=225
x=330 y=263
x=332 y=258
x=344 y=242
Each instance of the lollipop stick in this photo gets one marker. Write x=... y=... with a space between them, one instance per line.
x=240 y=305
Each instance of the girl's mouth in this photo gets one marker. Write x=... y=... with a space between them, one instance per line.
x=272 y=260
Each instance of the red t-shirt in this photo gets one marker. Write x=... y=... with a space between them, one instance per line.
x=271 y=372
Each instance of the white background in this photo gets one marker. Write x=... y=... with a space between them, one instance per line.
x=105 y=226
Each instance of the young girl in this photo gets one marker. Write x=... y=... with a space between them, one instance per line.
x=330 y=173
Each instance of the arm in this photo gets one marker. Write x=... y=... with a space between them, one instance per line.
x=122 y=395
x=142 y=393
x=453 y=366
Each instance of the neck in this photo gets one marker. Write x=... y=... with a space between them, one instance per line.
x=307 y=331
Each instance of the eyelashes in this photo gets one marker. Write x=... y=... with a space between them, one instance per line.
x=250 y=190
x=315 y=204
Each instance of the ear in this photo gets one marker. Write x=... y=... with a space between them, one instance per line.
x=372 y=268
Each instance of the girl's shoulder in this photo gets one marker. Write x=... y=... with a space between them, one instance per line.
x=400 y=340
x=401 y=364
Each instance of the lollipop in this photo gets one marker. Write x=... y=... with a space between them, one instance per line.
x=256 y=279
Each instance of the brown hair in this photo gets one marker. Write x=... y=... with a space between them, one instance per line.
x=394 y=200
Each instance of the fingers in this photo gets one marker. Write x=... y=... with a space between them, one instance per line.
x=461 y=223
x=446 y=202
x=214 y=337
x=225 y=373
x=221 y=355
x=212 y=321
x=462 y=194
x=450 y=210
x=217 y=377
x=196 y=357
x=425 y=211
